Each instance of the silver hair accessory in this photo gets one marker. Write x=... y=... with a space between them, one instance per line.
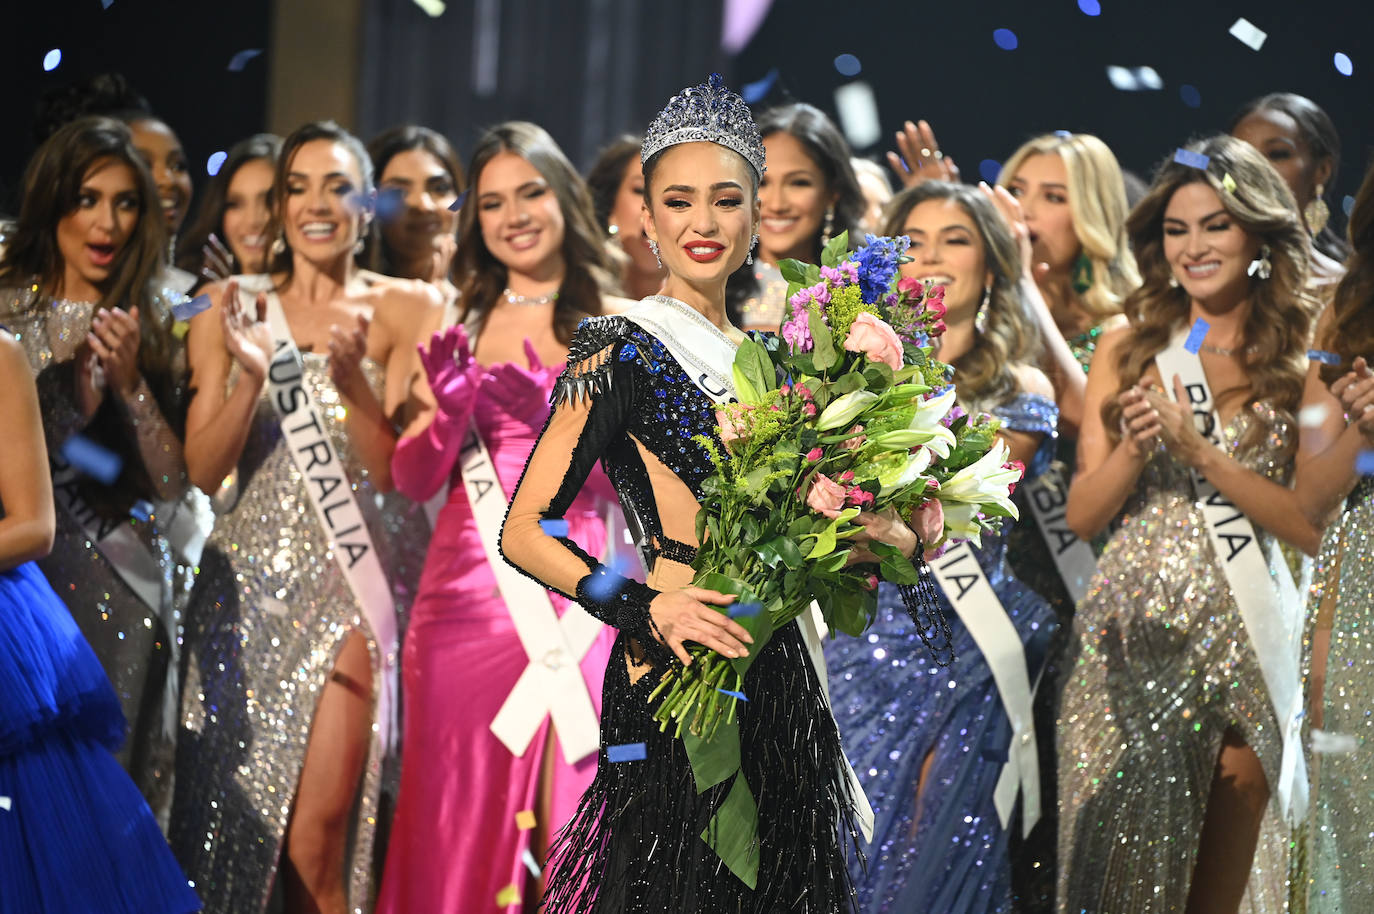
x=711 y=113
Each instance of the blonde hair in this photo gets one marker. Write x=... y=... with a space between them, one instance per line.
x=1097 y=203
x=1274 y=338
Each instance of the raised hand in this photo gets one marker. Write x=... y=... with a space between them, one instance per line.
x=1355 y=390
x=1010 y=210
x=1177 y=429
x=1140 y=425
x=217 y=261
x=525 y=391
x=347 y=349
x=114 y=338
x=451 y=370
x=918 y=157
x=682 y=616
x=445 y=248
x=246 y=334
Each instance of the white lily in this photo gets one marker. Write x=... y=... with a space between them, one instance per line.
x=986 y=481
x=917 y=463
x=929 y=419
x=961 y=522
x=843 y=410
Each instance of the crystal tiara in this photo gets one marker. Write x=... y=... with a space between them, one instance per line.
x=709 y=112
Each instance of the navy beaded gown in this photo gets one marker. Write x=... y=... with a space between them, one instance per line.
x=945 y=850
x=635 y=843
x=75 y=833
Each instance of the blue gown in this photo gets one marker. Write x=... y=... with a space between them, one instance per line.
x=949 y=854
x=75 y=833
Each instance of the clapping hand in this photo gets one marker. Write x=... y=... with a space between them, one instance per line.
x=920 y=158
x=246 y=333
x=524 y=391
x=1355 y=390
x=217 y=261
x=1175 y=426
x=347 y=349
x=114 y=338
x=451 y=370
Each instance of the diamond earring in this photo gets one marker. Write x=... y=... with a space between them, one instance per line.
x=980 y=320
x=829 y=225
x=753 y=242
x=1261 y=265
x=653 y=246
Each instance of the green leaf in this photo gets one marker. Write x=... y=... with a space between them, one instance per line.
x=779 y=549
x=824 y=545
x=752 y=359
x=837 y=250
x=793 y=271
x=716 y=759
x=744 y=388
x=823 y=355
x=813 y=274
x=849 y=381
x=733 y=832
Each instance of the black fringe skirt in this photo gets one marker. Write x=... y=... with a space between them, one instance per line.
x=635 y=843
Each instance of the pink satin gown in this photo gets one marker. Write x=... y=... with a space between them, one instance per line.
x=455 y=843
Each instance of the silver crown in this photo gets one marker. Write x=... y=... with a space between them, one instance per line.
x=709 y=112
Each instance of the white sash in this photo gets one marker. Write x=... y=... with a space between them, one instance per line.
x=552 y=682
x=1267 y=600
x=707 y=356
x=307 y=441
x=1048 y=495
x=970 y=593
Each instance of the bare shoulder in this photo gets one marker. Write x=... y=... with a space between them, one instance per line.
x=1031 y=380
x=615 y=304
x=14 y=363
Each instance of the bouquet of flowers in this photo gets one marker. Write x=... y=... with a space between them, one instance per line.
x=845 y=410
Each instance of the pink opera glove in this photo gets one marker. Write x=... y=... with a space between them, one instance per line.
x=421 y=463
x=523 y=392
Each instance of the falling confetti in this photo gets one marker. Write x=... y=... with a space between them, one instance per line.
x=524 y=819
x=508 y=896
x=1191 y=159
x=1321 y=355
x=627 y=752
x=1344 y=66
x=1196 y=336
x=1134 y=79
x=1005 y=39
x=756 y=91
x=743 y=610
x=5 y=803
x=1248 y=33
x=1228 y=183
x=989 y=169
x=434 y=8
x=52 y=59
x=848 y=65
x=458 y=204
x=141 y=510
x=1364 y=463
x=1313 y=416
x=240 y=60
x=1190 y=95
x=92 y=459
x=531 y=864
x=215 y=162
x=188 y=309
x=739 y=695
x=1090 y=7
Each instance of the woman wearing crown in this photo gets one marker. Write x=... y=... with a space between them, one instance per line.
x=638 y=387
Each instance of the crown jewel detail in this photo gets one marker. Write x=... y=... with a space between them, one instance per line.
x=709 y=112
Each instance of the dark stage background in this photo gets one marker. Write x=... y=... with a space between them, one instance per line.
x=587 y=69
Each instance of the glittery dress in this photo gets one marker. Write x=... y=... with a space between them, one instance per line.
x=945 y=851
x=635 y=843
x=455 y=837
x=1162 y=668
x=1342 y=817
x=763 y=310
x=271 y=610
x=135 y=640
x=75 y=835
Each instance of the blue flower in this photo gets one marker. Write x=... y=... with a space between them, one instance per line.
x=878 y=261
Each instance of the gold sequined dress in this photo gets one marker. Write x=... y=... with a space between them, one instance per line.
x=1162 y=667
x=1342 y=816
x=135 y=638
x=270 y=612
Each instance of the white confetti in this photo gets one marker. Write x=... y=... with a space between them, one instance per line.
x=1313 y=416
x=1248 y=34
x=1333 y=743
x=1134 y=79
x=5 y=803
x=530 y=864
x=858 y=109
x=434 y=8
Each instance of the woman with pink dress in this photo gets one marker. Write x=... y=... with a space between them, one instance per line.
x=502 y=679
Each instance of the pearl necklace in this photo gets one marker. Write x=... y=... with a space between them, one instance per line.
x=532 y=301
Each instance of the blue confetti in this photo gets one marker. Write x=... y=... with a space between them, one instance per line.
x=1196 y=336
x=458 y=204
x=1321 y=355
x=989 y=169
x=191 y=307
x=52 y=59
x=1190 y=95
x=627 y=752
x=1090 y=7
x=555 y=528
x=1364 y=463
x=92 y=459
x=240 y=60
x=743 y=610
x=1063 y=134
x=141 y=510
x=1343 y=63
x=215 y=162
x=1347 y=204
x=756 y=91
x=1005 y=39
x=848 y=65
x=106 y=4
x=603 y=585
x=739 y=695
x=1191 y=159
x=391 y=202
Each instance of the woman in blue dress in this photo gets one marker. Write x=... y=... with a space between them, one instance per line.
x=931 y=746
x=75 y=834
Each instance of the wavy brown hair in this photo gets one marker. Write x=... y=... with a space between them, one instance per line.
x=983 y=375
x=1351 y=332
x=587 y=264
x=1097 y=203
x=209 y=218
x=1274 y=338
x=52 y=190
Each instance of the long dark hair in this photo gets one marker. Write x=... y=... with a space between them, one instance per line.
x=603 y=180
x=210 y=215
x=384 y=147
x=1351 y=331
x=587 y=263
x=1319 y=133
x=1274 y=338
x=52 y=189
x=281 y=261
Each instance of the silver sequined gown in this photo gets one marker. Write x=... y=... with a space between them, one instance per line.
x=270 y=612
x=135 y=642
x=1162 y=668
x=1341 y=825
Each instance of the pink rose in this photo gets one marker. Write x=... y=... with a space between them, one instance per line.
x=875 y=339
x=814 y=454
x=1020 y=468
x=732 y=427
x=936 y=307
x=809 y=410
x=910 y=286
x=826 y=496
x=929 y=521
x=857 y=497
x=847 y=476
x=855 y=440
x=871 y=582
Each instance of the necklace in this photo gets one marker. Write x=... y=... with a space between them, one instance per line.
x=1219 y=350
x=533 y=301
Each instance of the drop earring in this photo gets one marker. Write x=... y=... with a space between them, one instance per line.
x=358 y=246
x=1316 y=212
x=653 y=246
x=1173 y=280
x=980 y=320
x=1261 y=266
x=829 y=225
x=753 y=242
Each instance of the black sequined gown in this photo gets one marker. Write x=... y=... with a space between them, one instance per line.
x=635 y=843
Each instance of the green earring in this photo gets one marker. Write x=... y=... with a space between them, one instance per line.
x=1082 y=279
